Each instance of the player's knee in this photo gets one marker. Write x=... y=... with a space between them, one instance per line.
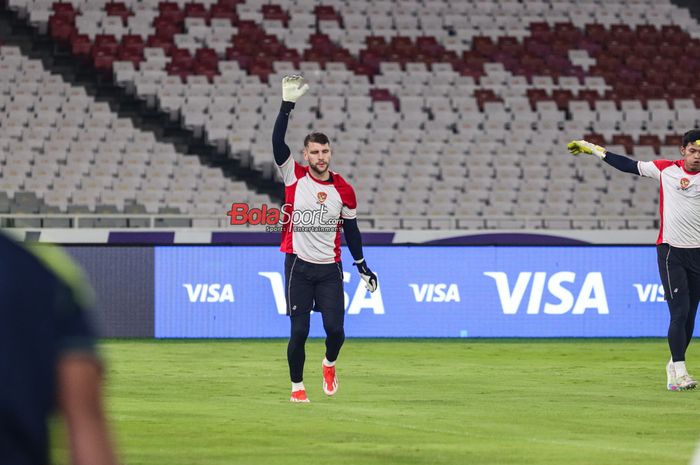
x=300 y=333
x=335 y=331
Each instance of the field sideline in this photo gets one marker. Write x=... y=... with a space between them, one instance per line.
x=400 y=402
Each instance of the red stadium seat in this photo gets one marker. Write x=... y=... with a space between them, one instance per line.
x=207 y=57
x=177 y=70
x=652 y=140
x=235 y=54
x=166 y=29
x=648 y=34
x=597 y=33
x=562 y=97
x=118 y=9
x=181 y=58
x=326 y=13
x=429 y=45
x=484 y=96
x=484 y=46
x=223 y=12
x=130 y=55
x=624 y=140
x=674 y=139
x=230 y=4
x=157 y=41
x=595 y=138
x=61 y=30
x=196 y=10
x=81 y=46
x=275 y=12
x=170 y=11
x=206 y=71
x=103 y=60
x=133 y=43
x=107 y=43
x=65 y=11
x=622 y=33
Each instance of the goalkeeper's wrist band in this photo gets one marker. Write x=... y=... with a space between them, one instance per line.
x=287 y=107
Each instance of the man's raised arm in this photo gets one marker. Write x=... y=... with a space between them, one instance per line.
x=293 y=87
x=620 y=162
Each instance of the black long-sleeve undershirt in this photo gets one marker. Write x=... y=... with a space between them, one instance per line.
x=621 y=162
x=279 y=147
x=353 y=238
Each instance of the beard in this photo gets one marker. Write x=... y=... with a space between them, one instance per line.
x=320 y=171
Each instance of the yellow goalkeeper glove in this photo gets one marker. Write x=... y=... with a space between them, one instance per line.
x=581 y=146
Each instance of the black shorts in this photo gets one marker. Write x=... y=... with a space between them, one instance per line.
x=313 y=286
x=679 y=269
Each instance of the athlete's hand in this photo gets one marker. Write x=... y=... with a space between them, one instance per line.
x=581 y=146
x=367 y=276
x=293 y=88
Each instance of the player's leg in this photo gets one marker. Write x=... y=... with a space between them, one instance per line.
x=299 y=294
x=693 y=308
x=296 y=354
x=330 y=301
x=675 y=281
x=694 y=290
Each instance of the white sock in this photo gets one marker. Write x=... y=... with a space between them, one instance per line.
x=670 y=361
x=326 y=363
x=680 y=368
x=298 y=387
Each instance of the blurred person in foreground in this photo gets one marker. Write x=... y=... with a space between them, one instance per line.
x=48 y=359
x=313 y=269
x=678 y=244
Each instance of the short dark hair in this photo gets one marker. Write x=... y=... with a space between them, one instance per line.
x=317 y=137
x=691 y=136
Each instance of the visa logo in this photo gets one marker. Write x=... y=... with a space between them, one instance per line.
x=209 y=292
x=650 y=292
x=435 y=292
x=591 y=296
x=361 y=299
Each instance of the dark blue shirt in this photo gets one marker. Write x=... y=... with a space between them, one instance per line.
x=43 y=303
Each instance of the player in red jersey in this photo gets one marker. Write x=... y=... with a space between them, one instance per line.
x=318 y=203
x=678 y=244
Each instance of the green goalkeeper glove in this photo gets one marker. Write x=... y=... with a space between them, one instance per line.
x=293 y=88
x=581 y=146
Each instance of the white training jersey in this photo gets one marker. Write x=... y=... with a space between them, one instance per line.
x=314 y=209
x=679 y=202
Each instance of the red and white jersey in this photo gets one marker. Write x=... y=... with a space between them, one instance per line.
x=315 y=208
x=679 y=202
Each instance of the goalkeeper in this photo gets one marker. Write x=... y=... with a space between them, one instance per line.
x=678 y=245
x=313 y=270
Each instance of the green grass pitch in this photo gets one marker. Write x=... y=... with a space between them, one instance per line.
x=400 y=402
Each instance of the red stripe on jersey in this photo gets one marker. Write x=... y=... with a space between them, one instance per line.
x=663 y=164
x=337 y=245
x=287 y=246
x=347 y=193
x=300 y=171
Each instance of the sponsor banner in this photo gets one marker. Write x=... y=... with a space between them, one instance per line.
x=426 y=291
x=124 y=285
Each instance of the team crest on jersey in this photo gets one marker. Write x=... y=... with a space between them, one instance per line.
x=321 y=196
x=685 y=182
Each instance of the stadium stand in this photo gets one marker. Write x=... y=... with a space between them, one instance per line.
x=64 y=152
x=442 y=114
